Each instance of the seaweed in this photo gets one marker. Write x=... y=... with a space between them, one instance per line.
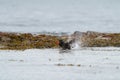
x=22 y=41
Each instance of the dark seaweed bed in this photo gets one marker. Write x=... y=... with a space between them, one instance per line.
x=22 y=41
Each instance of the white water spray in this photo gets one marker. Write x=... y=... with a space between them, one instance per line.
x=76 y=40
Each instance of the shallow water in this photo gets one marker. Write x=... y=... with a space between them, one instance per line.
x=44 y=64
x=59 y=15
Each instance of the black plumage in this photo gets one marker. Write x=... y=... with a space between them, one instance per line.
x=64 y=45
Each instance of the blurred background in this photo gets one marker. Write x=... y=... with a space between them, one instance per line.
x=59 y=15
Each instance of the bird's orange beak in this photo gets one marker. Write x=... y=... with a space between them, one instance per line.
x=57 y=42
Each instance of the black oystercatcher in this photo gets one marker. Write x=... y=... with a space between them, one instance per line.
x=65 y=45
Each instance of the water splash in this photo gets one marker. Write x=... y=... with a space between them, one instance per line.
x=76 y=45
x=75 y=40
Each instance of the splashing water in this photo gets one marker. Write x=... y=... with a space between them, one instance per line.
x=75 y=40
x=76 y=45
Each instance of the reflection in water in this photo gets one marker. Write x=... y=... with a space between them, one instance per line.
x=64 y=51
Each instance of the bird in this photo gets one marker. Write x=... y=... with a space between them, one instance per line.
x=65 y=45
